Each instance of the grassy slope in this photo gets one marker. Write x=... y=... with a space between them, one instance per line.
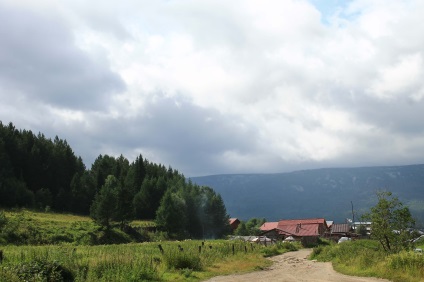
x=39 y=228
x=364 y=258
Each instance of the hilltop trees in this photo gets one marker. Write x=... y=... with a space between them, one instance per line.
x=45 y=174
x=390 y=220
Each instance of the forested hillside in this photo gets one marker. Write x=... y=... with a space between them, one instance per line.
x=326 y=193
x=40 y=173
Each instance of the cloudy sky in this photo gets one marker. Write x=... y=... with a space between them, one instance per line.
x=218 y=86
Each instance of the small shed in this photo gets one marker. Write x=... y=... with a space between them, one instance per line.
x=339 y=230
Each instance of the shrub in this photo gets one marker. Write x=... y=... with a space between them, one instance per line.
x=271 y=251
x=39 y=270
x=290 y=246
x=182 y=260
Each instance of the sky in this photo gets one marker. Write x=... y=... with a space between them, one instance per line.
x=216 y=86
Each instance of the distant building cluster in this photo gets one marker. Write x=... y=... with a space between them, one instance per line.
x=306 y=231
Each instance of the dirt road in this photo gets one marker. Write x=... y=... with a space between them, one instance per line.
x=294 y=266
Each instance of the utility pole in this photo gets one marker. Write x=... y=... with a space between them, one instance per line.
x=353 y=217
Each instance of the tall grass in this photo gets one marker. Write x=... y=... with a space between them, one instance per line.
x=125 y=262
x=365 y=258
x=58 y=247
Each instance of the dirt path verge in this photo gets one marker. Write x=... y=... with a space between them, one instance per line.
x=294 y=266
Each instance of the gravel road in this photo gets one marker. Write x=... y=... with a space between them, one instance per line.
x=294 y=266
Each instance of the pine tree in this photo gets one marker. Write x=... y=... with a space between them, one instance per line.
x=171 y=215
x=104 y=205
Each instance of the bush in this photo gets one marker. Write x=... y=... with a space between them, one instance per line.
x=290 y=246
x=39 y=270
x=182 y=260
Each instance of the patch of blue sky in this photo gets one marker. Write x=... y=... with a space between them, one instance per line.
x=334 y=8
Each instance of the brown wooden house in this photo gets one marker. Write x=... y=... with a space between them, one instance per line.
x=234 y=223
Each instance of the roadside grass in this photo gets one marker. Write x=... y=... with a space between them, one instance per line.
x=179 y=261
x=365 y=258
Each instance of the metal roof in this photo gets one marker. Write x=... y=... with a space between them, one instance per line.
x=268 y=226
x=299 y=230
x=340 y=228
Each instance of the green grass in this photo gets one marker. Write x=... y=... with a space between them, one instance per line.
x=41 y=228
x=180 y=261
x=365 y=258
x=40 y=246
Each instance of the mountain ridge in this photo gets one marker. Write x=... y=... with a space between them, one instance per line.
x=323 y=192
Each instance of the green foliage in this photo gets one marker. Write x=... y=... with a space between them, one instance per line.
x=183 y=260
x=406 y=260
x=280 y=248
x=361 y=230
x=130 y=262
x=124 y=209
x=241 y=230
x=390 y=223
x=39 y=228
x=171 y=216
x=144 y=204
x=43 y=198
x=271 y=251
x=368 y=258
x=45 y=174
x=3 y=220
x=104 y=204
x=40 y=270
x=254 y=224
x=250 y=228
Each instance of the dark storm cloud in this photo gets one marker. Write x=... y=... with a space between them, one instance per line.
x=39 y=60
x=176 y=132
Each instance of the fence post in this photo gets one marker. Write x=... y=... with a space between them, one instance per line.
x=1 y=256
x=160 y=248
x=233 y=249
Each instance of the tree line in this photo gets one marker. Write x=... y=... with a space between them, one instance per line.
x=40 y=173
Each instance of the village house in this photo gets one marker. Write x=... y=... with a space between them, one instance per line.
x=305 y=230
x=366 y=224
x=268 y=226
x=336 y=231
x=234 y=223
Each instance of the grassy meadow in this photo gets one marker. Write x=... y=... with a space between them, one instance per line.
x=44 y=228
x=179 y=261
x=66 y=248
x=366 y=258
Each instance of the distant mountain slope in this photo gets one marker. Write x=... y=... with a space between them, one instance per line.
x=317 y=193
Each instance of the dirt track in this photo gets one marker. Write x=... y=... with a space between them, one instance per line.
x=294 y=266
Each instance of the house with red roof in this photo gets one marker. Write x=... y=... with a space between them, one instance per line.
x=268 y=226
x=305 y=230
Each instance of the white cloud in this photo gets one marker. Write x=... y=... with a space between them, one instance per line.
x=219 y=86
x=401 y=79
